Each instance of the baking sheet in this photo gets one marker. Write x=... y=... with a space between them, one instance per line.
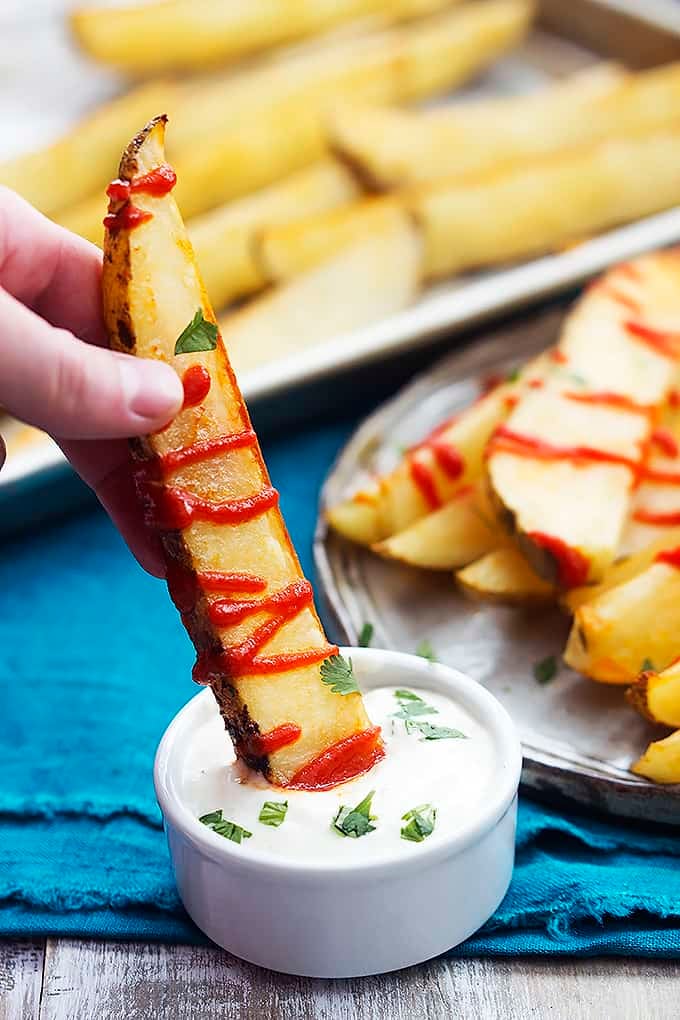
x=47 y=84
x=579 y=737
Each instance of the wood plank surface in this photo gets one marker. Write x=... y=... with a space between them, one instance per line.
x=87 y=980
x=21 y=976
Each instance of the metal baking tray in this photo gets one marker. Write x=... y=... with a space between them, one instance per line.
x=568 y=37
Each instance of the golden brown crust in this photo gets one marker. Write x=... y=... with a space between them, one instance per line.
x=636 y=695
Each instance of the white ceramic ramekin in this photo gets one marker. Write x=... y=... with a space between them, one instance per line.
x=330 y=921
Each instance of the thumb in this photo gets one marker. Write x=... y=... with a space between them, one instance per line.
x=73 y=390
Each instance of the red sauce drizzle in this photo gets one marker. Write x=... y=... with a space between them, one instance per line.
x=172 y=508
x=273 y=740
x=350 y=757
x=669 y=556
x=505 y=440
x=674 y=399
x=559 y=356
x=196 y=384
x=447 y=458
x=665 y=441
x=612 y=400
x=127 y=218
x=662 y=342
x=610 y=291
x=157 y=182
x=207 y=448
x=660 y=518
x=572 y=565
x=536 y=384
x=656 y=476
x=220 y=580
x=227 y=612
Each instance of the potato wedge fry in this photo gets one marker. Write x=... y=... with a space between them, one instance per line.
x=214 y=509
x=504 y=576
x=379 y=273
x=459 y=532
x=514 y=213
x=621 y=571
x=613 y=635
x=194 y=34
x=427 y=476
x=561 y=471
x=270 y=123
x=223 y=239
x=661 y=760
x=85 y=158
x=657 y=695
x=477 y=221
x=391 y=148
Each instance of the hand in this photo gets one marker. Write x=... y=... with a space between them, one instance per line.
x=55 y=374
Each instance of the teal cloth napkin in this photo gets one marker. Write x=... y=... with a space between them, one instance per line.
x=94 y=663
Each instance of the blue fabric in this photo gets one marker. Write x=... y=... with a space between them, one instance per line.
x=94 y=663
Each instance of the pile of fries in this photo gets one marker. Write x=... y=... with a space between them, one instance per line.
x=562 y=484
x=305 y=173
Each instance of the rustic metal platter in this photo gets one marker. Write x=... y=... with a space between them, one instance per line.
x=579 y=737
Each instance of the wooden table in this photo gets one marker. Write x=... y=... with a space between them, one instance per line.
x=65 y=979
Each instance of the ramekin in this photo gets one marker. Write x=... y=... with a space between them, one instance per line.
x=336 y=921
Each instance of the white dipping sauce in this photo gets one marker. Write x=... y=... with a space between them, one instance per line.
x=455 y=775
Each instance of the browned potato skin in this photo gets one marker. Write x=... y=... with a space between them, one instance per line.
x=349 y=716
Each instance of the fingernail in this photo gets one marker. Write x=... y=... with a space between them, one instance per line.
x=152 y=389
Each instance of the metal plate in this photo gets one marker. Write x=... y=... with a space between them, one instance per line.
x=579 y=737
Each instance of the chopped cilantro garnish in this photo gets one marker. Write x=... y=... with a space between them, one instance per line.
x=431 y=732
x=420 y=823
x=337 y=673
x=223 y=827
x=647 y=666
x=355 y=822
x=365 y=635
x=273 y=812
x=545 y=670
x=199 y=335
x=425 y=650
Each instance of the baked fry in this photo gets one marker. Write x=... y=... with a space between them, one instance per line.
x=191 y=35
x=232 y=570
x=661 y=760
x=503 y=575
x=392 y=148
x=615 y=634
x=459 y=532
x=380 y=273
x=657 y=695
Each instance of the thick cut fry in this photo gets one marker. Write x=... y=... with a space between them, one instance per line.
x=427 y=476
x=661 y=760
x=270 y=123
x=562 y=470
x=84 y=159
x=616 y=633
x=392 y=148
x=514 y=213
x=193 y=34
x=223 y=239
x=214 y=507
x=621 y=571
x=534 y=209
x=504 y=576
x=657 y=695
x=459 y=532
x=379 y=274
